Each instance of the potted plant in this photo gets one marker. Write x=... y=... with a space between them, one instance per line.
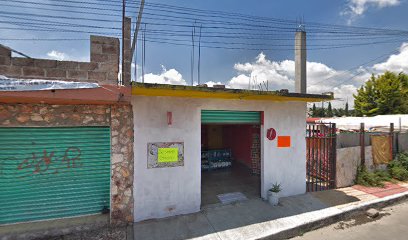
x=273 y=194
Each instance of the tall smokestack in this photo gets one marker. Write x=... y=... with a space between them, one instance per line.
x=300 y=62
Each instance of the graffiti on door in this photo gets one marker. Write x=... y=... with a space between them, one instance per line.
x=49 y=162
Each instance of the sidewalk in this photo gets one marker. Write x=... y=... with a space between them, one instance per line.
x=256 y=219
x=251 y=219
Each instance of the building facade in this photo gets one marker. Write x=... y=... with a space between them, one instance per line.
x=66 y=153
x=165 y=114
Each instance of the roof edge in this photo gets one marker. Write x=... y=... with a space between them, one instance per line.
x=154 y=89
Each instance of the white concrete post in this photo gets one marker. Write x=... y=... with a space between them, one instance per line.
x=300 y=62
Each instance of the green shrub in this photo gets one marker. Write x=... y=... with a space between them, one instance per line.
x=403 y=159
x=398 y=168
x=372 y=179
x=399 y=173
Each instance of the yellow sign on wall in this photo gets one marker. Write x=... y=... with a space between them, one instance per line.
x=167 y=155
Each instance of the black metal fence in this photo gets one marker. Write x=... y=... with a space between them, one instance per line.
x=320 y=156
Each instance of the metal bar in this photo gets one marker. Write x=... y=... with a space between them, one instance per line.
x=327 y=156
x=362 y=144
x=319 y=154
x=312 y=162
x=310 y=158
x=318 y=139
x=314 y=156
x=307 y=156
x=334 y=149
x=330 y=160
x=324 y=167
x=392 y=139
x=397 y=142
x=123 y=42
x=199 y=58
x=138 y=22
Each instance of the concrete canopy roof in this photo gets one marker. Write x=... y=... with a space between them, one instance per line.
x=149 y=89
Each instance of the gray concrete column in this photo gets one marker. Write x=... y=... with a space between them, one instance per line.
x=300 y=62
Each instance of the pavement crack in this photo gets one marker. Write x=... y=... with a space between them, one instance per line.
x=213 y=228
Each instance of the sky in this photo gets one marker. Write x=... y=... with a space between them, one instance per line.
x=339 y=70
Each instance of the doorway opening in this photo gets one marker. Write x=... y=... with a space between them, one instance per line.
x=230 y=162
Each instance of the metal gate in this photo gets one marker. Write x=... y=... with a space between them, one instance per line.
x=53 y=172
x=320 y=156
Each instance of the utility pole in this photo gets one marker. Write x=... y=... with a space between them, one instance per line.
x=123 y=41
x=300 y=61
x=133 y=47
x=139 y=20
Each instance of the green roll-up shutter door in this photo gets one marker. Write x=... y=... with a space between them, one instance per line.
x=230 y=117
x=48 y=173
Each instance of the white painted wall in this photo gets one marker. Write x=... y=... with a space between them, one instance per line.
x=172 y=191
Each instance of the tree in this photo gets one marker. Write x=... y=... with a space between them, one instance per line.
x=314 y=110
x=321 y=112
x=346 y=110
x=329 y=111
x=317 y=112
x=384 y=94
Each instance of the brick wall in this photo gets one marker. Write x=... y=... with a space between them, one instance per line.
x=120 y=120
x=103 y=67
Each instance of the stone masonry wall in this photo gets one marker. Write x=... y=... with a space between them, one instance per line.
x=127 y=52
x=122 y=163
x=118 y=117
x=103 y=68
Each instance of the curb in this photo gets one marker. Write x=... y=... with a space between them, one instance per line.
x=345 y=213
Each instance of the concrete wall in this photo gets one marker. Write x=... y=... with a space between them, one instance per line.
x=162 y=192
x=347 y=140
x=402 y=142
x=348 y=161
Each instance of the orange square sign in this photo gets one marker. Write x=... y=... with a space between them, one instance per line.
x=283 y=141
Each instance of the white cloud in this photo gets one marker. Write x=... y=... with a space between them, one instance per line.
x=356 y=8
x=281 y=74
x=396 y=62
x=277 y=74
x=320 y=78
x=211 y=83
x=56 y=55
x=171 y=76
x=62 y=56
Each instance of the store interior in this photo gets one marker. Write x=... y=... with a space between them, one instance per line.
x=230 y=162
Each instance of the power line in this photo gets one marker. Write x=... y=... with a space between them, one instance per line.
x=161 y=7
x=59 y=17
x=359 y=73
x=167 y=32
x=360 y=65
x=59 y=10
x=54 y=24
x=172 y=40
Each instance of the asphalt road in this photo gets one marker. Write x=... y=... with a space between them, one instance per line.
x=392 y=224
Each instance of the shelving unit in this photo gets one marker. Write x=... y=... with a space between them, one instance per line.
x=216 y=159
